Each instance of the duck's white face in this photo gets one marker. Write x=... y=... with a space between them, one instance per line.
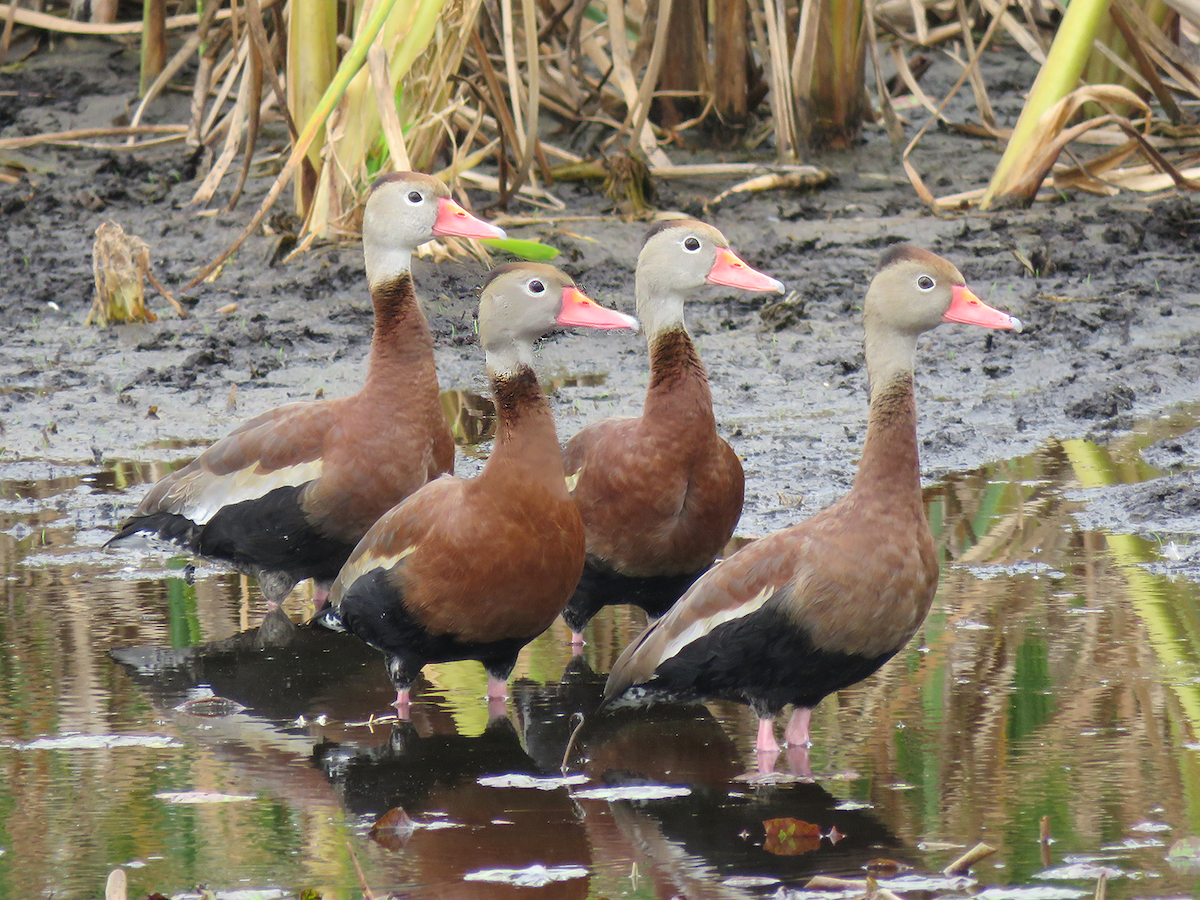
x=523 y=302
x=915 y=291
x=686 y=254
x=403 y=211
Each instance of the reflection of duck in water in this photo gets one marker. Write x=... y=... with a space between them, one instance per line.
x=278 y=671
x=721 y=828
x=477 y=828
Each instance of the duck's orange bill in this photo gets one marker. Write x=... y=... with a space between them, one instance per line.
x=454 y=221
x=968 y=309
x=730 y=270
x=580 y=309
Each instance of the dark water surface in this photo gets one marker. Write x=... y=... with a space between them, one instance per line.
x=1055 y=676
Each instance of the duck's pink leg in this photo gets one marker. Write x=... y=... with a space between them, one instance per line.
x=766 y=742
x=576 y=643
x=320 y=597
x=402 y=704
x=796 y=734
x=497 y=688
x=797 y=756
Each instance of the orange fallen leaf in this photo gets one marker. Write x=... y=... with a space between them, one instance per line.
x=393 y=829
x=791 y=837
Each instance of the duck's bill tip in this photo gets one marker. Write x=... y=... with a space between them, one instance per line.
x=580 y=310
x=454 y=221
x=968 y=309
x=730 y=270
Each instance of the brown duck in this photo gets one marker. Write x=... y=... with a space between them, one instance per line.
x=660 y=494
x=289 y=494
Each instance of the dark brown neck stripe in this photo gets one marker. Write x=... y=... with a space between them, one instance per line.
x=672 y=356
x=516 y=392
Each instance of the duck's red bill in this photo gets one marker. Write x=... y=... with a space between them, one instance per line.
x=968 y=309
x=454 y=221
x=580 y=309
x=730 y=270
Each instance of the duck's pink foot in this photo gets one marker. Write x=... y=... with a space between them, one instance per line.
x=766 y=765
x=766 y=742
x=797 y=757
x=576 y=643
x=796 y=734
x=497 y=708
x=402 y=704
x=320 y=598
x=272 y=605
x=497 y=688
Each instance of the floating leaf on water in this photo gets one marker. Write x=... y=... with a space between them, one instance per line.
x=854 y=804
x=192 y=797
x=531 y=876
x=1184 y=855
x=393 y=829
x=935 y=846
x=535 y=251
x=1078 y=872
x=633 y=792
x=791 y=837
x=1185 y=849
x=927 y=884
x=749 y=881
x=1151 y=827
x=209 y=707
x=1134 y=844
x=1043 y=892
x=97 y=742
x=540 y=783
x=884 y=868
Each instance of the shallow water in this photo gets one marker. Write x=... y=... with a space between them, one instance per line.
x=1055 y=676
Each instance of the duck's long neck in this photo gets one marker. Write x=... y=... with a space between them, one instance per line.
x=678 y=391
x=678 y=394
x=890 y=466
x=402 y=346
x=526 y=445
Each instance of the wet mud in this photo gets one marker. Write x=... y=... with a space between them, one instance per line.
x=1107 y=287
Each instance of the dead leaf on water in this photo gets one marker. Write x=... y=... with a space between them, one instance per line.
x=393 y=829
x=791 y=837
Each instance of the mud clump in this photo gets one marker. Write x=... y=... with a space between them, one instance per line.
x=1104 y=404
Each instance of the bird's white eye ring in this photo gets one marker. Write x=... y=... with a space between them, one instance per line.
x=926 y=283
x=414 y=197
x=691 y=244
x=536 y=287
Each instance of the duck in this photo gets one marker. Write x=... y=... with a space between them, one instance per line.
x=660 y=493
x=477 y=568
x=290 y=493
x=820 y=605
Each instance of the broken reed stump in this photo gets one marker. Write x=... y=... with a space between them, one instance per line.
x=120 y=263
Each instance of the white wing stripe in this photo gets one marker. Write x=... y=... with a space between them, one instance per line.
x=701 y=627
x=202 y=498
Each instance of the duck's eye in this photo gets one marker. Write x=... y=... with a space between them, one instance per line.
x=414 y=197
x=926 y=283
x=536 y=287
x=691 y=245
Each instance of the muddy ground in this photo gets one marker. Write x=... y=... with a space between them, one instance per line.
x=1113 y=313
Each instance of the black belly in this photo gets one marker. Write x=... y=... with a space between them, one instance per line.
x=269 y=533
x=600 y=586
x=372 y=608
x=763 y=659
